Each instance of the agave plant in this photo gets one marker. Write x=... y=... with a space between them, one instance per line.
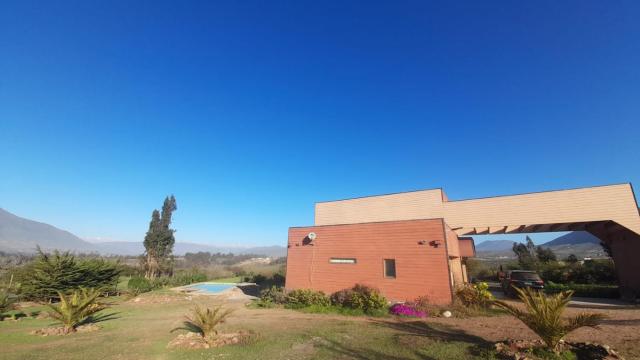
x=204 y=321
x=543 y=315
x=76 y=308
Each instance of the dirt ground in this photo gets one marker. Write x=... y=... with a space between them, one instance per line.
x=621 y=329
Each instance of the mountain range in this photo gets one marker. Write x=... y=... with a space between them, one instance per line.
x=20 y=235
x=580 y=243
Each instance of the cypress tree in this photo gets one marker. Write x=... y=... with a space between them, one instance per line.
x=159 y=240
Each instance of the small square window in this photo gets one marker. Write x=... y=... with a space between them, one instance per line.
x=390 y=268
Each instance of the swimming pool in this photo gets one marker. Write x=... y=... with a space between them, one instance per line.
x=211 y=288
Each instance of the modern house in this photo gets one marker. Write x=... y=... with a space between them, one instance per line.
x=414 y=243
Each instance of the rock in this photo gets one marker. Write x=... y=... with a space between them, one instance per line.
x=196 y=341
x=188 y=341
x=59 y=330
x=447 y=314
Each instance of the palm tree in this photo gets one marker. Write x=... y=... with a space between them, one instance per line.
x=76 y=308
x=204 y=321
x=543 y=315
x=6 y=302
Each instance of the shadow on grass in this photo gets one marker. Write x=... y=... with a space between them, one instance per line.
x=439 y=333
x=630 y=322
x=416 y=338
x=98 y=318
x=344 y=351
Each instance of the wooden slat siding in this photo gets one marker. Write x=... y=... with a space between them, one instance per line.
x=456 y=270
x=614 y=202
x=420 y=269
x=467 y=248
x=452 y=241
x=426 y=204
x=626 y=249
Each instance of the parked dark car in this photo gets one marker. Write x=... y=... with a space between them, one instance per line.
x=521 y=279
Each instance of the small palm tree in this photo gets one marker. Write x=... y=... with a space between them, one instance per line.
x=204 y=321
x=6 y=302
x=543 y=315
x=76 y=308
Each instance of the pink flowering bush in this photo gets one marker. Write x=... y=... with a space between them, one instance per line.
x=406 y=310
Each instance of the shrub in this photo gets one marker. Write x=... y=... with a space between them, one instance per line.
x=361 y=297
x=255 y=278
x=480 y=270
x=543 y=315
x=76 y=308
x=50 y=274
x=204 y=321
x=6 y=302
x=476 y=295
x=584 y=290
x=139 y=284
x=183 y=279
x=274 y=295
x=406 y=310
x=307 y=297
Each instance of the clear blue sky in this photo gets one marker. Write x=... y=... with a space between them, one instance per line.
x=249 y=112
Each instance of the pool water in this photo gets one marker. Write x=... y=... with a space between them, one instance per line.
x=212 y=288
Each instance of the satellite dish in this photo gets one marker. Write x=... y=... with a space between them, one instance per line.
x=312 y=236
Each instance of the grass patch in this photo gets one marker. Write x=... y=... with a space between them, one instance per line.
x=332 y=309
x=141 y=331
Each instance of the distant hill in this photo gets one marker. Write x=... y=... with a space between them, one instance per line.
x=495 y=245
x=23 y=235
x=20 y=235
x=573 y=238
x=580 y=243
x=181 y=248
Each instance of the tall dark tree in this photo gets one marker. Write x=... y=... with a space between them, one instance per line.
x=572 y=259
x=607 y=248
x=525 y=259
x=159 y=241
x=545 y=255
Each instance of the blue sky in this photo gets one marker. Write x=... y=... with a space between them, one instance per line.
x=249 y=112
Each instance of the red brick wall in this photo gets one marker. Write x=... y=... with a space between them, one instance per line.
x=420 y=269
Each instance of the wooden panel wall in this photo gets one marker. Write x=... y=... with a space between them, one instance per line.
x=614 y=202
x=426 y=204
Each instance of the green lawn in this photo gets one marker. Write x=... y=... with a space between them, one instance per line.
x=142 y=331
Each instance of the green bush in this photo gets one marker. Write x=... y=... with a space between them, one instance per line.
x=183 y=279
x=7 y=302
x=139 y=284
x=273 y=295
x=584 y=290
x=264 y=281
x=307 y=297
x=601 y=271
x=360 y=297
x=49 y=274
x=475 y=295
